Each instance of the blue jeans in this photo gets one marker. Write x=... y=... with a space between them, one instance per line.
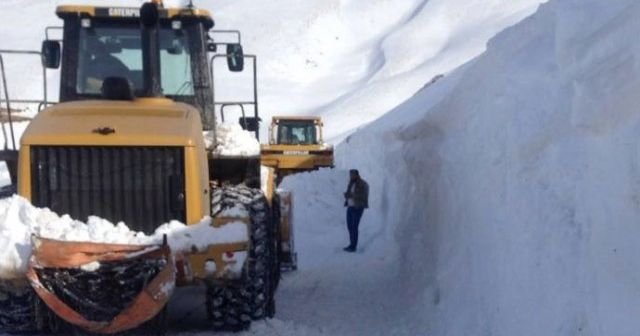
x=353 y=221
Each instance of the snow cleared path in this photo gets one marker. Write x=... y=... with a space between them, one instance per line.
x=332 y=292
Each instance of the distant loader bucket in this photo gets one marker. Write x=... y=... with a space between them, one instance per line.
x=102 y=288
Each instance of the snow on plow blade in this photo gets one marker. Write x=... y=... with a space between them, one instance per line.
x=102 y=288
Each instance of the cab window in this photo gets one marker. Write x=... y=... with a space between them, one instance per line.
x=297 y=133
x=116 y=51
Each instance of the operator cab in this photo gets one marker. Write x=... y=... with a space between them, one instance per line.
x=296 y=131
x=106 y=49
x=108 y=42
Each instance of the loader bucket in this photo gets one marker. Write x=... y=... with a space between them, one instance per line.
x=102 y=288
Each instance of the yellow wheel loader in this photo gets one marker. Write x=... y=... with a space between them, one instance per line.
x=296 y=145
x=125 y=142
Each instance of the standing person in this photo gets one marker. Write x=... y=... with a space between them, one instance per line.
x=356 y=199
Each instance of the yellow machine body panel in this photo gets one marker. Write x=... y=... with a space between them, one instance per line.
x=142 y=122
x=303 y=157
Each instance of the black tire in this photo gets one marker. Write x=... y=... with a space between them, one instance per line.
x=17 y=307
x=232 y=305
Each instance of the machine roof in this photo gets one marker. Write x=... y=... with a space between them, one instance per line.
x=296 y=118
x=130 y=12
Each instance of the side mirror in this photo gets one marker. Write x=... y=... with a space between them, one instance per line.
x=51 y=54
x=235 y=57
x=250 y=124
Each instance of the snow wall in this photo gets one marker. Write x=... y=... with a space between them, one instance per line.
x=513 y=184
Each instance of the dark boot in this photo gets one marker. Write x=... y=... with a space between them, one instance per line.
x=349 y=249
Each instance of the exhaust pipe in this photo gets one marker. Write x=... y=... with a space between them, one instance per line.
x=149 y=19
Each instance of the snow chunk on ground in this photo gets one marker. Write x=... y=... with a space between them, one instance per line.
x=19 y=220
x=232 y=140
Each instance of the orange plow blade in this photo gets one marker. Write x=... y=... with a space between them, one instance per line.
x=102 y=288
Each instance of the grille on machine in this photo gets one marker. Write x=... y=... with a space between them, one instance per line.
x=141 y=186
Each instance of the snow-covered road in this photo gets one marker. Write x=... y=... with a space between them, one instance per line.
x=332 y=292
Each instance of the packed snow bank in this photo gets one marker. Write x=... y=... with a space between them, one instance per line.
x=19 y=220
x=513 y=184
x=232 y=140
x=318 y=195
x=431 y=39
